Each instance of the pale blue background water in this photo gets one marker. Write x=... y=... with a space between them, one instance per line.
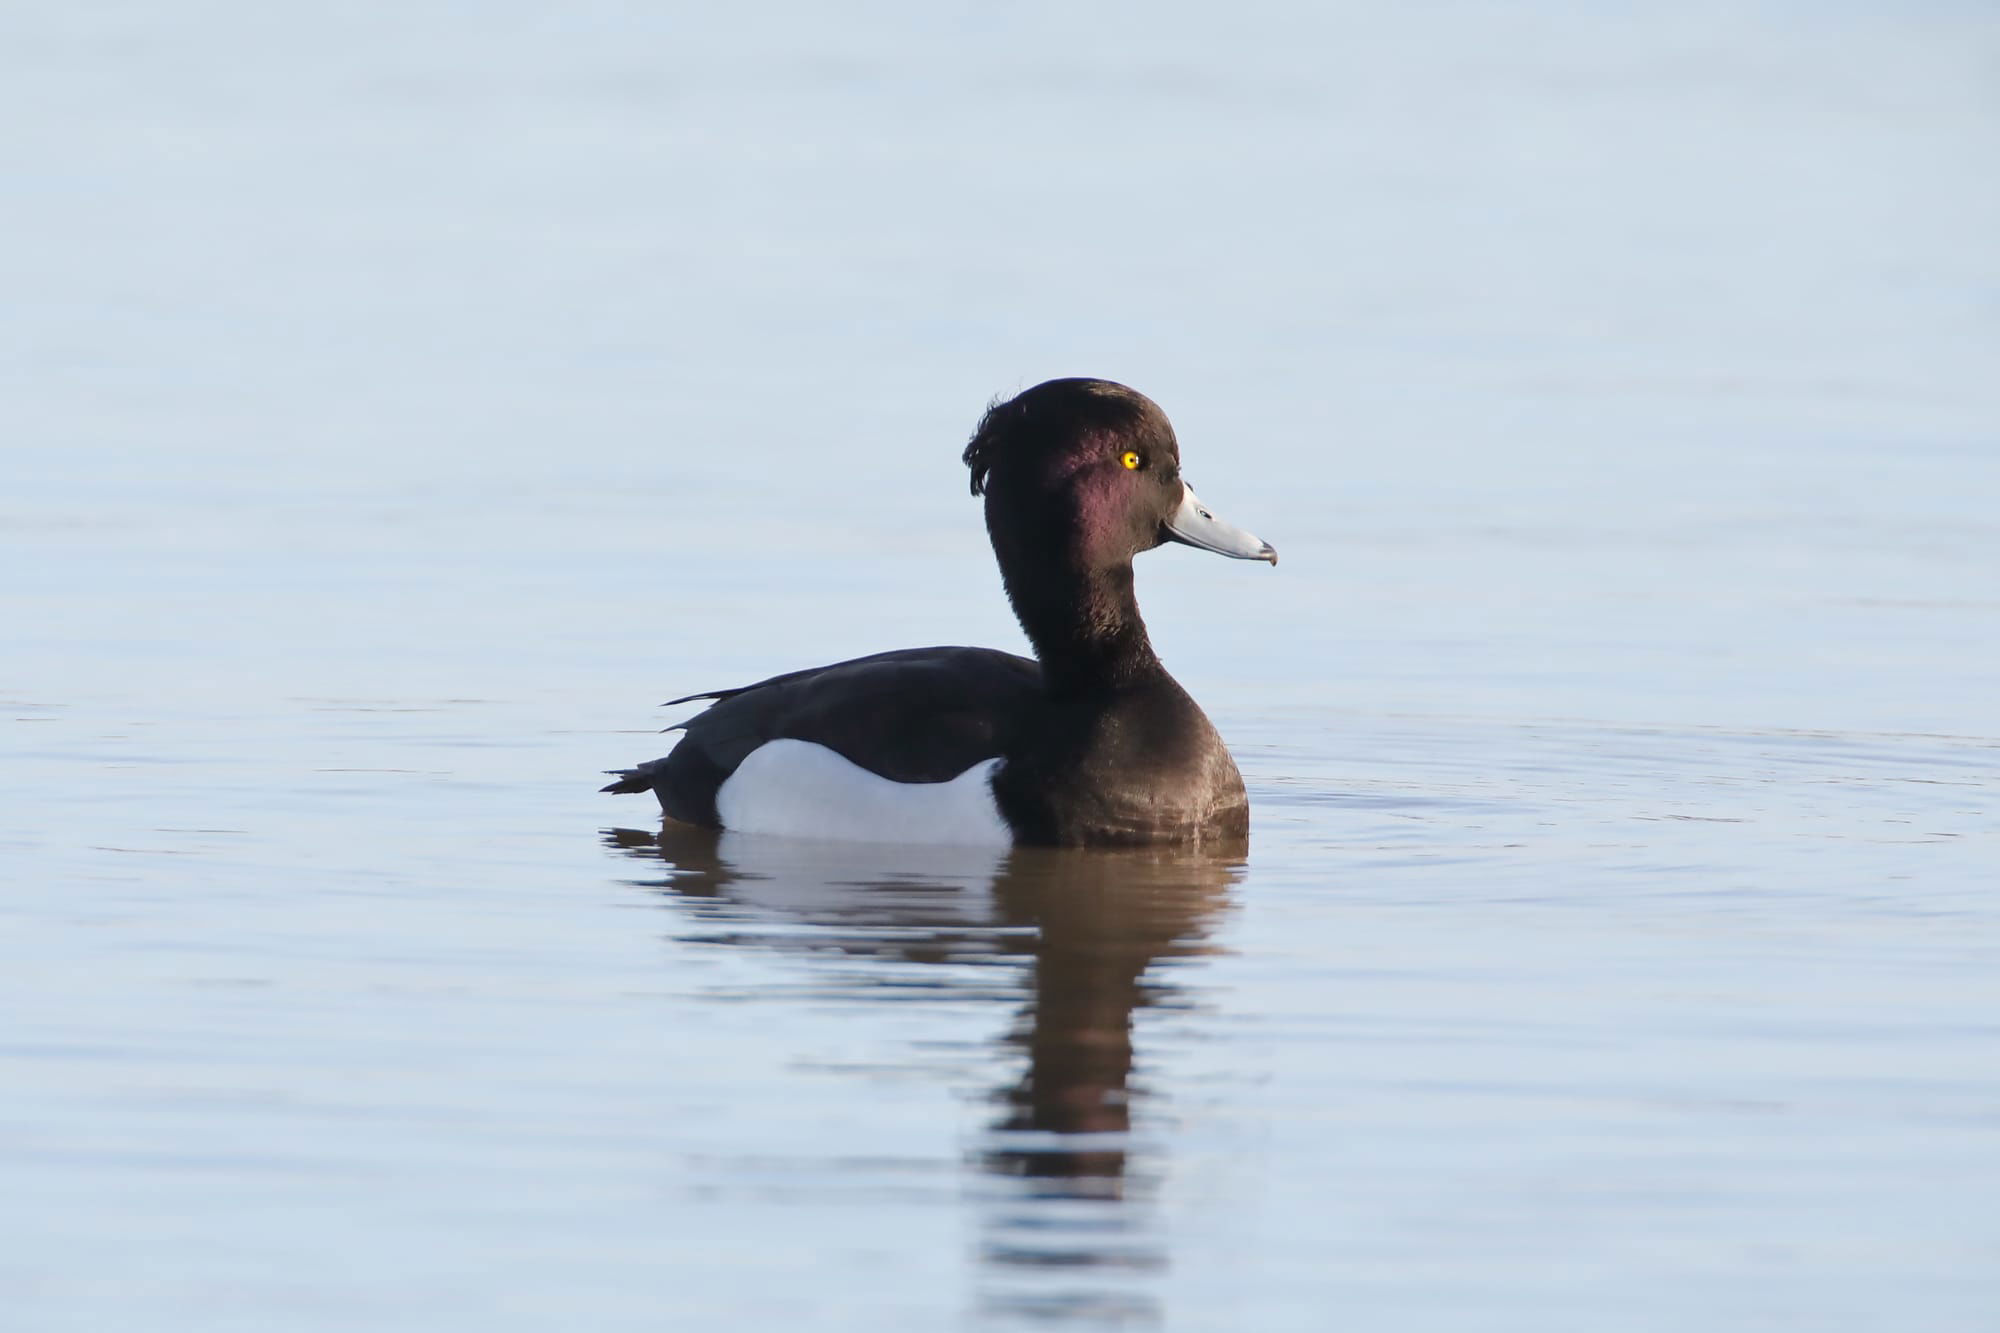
x=397 y=403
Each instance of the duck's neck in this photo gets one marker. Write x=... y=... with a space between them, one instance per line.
x=1085 y=626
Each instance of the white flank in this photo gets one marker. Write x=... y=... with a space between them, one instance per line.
x=805 y=790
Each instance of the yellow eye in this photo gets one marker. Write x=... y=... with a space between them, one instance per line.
x=1132 y=460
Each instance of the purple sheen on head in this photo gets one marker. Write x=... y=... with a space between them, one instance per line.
x=1117 y=515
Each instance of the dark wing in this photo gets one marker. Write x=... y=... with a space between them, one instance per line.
x=913 y=715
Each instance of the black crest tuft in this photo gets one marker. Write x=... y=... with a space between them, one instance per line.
x=979 y=449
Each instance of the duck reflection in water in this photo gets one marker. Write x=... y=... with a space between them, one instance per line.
x=1065 y=1180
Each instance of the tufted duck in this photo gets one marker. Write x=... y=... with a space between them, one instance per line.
x=1094 y=744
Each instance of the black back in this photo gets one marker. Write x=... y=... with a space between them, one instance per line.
x=912 y=715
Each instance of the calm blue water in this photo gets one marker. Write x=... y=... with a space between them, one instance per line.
x=397 y=403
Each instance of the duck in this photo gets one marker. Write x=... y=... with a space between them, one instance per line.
x=1089 y=743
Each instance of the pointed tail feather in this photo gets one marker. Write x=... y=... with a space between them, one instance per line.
x=705 y=694
x=630 y=780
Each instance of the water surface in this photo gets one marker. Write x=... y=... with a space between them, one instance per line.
x=394 y=409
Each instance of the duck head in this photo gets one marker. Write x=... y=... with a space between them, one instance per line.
x=1086 y=474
